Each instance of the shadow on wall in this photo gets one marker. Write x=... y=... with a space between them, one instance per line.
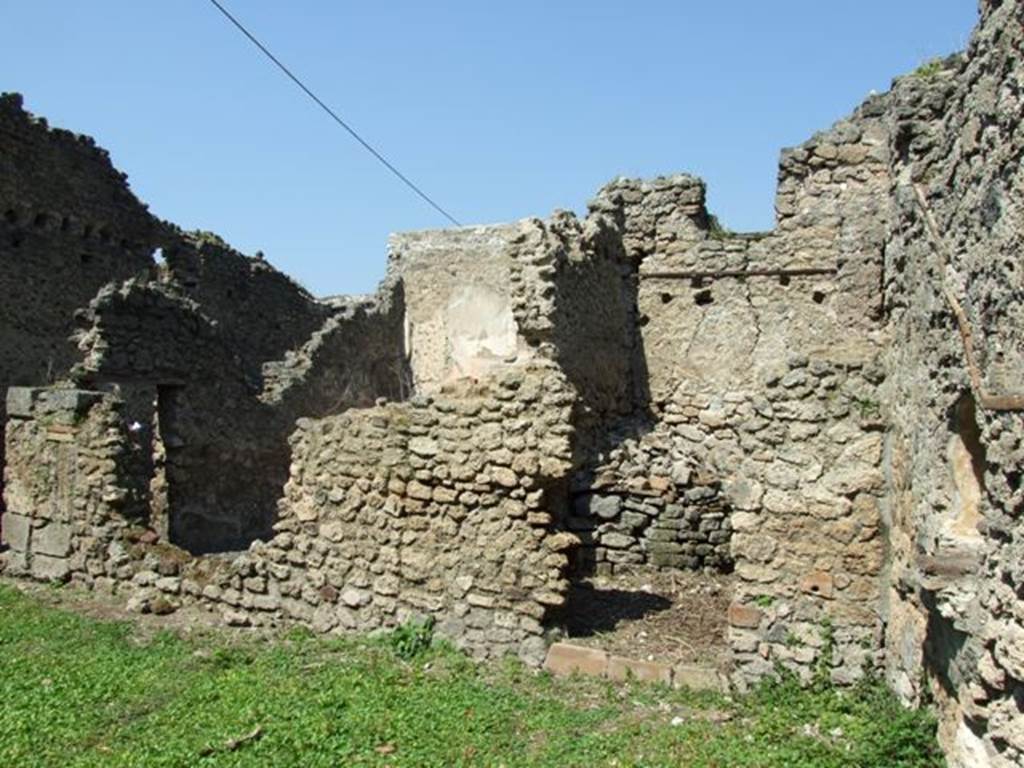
x=600 y=347
x=210 y=454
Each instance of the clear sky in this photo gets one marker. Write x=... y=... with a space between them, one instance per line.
x=498 y=110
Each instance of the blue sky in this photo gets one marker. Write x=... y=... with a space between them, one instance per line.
x=498 y=110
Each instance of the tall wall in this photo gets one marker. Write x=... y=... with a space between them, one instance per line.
x=761 y=447
x=955 y=400
x=260 y=312
x=68 y=225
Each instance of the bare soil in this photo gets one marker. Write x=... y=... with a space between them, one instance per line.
x=673 y=617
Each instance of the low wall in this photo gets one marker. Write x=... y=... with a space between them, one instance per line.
x=66 y=457
x=436 y=507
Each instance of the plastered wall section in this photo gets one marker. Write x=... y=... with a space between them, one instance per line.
x=459 y=320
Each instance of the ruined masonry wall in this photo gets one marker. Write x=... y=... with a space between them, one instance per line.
x=440 y=506
x=954 y=609
x=437 y=507
x=260 y=312
x=68 y=225
x=64 y=477
x=761 y=446
x=225 y=453
x=355 y=357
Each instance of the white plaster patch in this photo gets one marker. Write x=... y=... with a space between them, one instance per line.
x=480 y=330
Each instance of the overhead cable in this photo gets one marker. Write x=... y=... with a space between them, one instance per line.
x=366 y=145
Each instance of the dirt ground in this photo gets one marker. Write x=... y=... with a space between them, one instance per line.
x=675 y=617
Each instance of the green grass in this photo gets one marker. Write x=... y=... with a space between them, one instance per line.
x=78 y=692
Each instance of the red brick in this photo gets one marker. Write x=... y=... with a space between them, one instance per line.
x=744 y=616
x=818 y=583
x=620 y=668
x=564 y=659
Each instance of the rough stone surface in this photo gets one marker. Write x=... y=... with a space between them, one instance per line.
x=832 y=410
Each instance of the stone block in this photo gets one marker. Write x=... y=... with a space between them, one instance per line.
x=70 y=400
x=48 y=568
x=423 y=446
x=617 y=540
x=604 y=507
x=53 y=540
x=671 y=560
x=20 y=401
x=14 y=563
x=16 y=529
x=565 y=659
x=356 y=598
x=621 y=668
x=698 y=678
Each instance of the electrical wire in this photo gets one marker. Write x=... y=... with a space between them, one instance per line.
x=366 y=145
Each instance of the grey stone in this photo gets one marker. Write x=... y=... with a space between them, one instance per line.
x=20 y=401
x=16 y=530
x=50 y=568
x=53 y=539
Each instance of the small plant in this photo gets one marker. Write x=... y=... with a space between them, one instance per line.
x=411 y=639
x=764 y=601
x=868 y=408
x=929 y=69
x=823 y=666
x=718 y=232
x=299 y=634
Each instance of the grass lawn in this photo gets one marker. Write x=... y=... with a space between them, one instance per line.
x=80 y=692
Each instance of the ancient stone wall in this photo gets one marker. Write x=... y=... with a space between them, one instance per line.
x=760 y=449
x=831 y=409
x=955 y=628
x=585 y=314
x=224 y=453
x=68 y=225
x=438 y=507
x=260 y=312
x=65 y=484
x=355 y=357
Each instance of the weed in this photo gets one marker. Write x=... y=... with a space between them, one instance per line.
x=867 y=408
x=929 y=70
x=716 y=231
x=411 y=639
x=826 y=656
